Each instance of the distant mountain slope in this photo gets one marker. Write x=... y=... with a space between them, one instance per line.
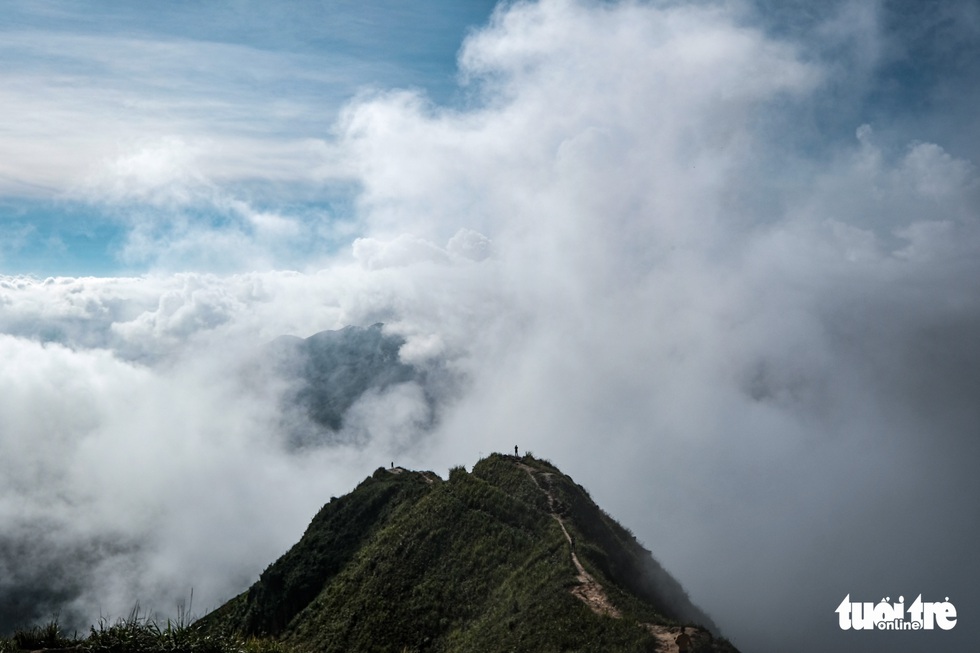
x=335 y=368
x=513 y=556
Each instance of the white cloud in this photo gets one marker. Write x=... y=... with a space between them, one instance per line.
x=89 y=106
x=404 y=250
x=164 y=170
x=470 y=244
x=747 y=383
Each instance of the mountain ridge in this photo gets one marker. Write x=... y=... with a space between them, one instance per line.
x=513 y=555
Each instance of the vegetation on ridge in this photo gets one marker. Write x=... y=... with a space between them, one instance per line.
x=479 y=562
x=138 y=634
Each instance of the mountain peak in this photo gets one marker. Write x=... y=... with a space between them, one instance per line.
x=513 y=555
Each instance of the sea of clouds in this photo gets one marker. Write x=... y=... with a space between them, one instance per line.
x=755 y=347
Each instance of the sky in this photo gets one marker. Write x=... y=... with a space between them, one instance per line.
x=718 y=261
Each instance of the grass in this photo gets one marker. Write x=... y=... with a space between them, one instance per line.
x=474 y=563
x=138 y=633
x=466 y=565
x=38 y=637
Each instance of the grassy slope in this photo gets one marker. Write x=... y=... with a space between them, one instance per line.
x=333 y=538
x=476 y=563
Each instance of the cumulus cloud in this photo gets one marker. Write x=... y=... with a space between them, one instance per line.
x=398 y=252
x=168 y=200
x=757 y=354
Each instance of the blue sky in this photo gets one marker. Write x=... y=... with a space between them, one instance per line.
x=112 y=104
x=89 y=82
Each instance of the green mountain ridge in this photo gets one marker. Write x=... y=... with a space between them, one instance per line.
x=512 y=556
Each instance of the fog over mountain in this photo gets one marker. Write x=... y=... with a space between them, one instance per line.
x=719 y=261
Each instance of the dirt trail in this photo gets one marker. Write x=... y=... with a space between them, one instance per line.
x=591 y=592
x=588 y=590
x=665 y=636
x=426 y=476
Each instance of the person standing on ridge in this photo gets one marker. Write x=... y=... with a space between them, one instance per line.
x=683 y=641
x=515 y=451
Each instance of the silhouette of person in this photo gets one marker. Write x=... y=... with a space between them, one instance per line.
x=515 y=451
x=683 y=641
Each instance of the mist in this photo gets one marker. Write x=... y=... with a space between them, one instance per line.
x=707 y=258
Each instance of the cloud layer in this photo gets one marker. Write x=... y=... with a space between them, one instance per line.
x=756 y=348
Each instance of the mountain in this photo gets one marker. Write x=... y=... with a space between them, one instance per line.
x=333 y=369
x=512 y=556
